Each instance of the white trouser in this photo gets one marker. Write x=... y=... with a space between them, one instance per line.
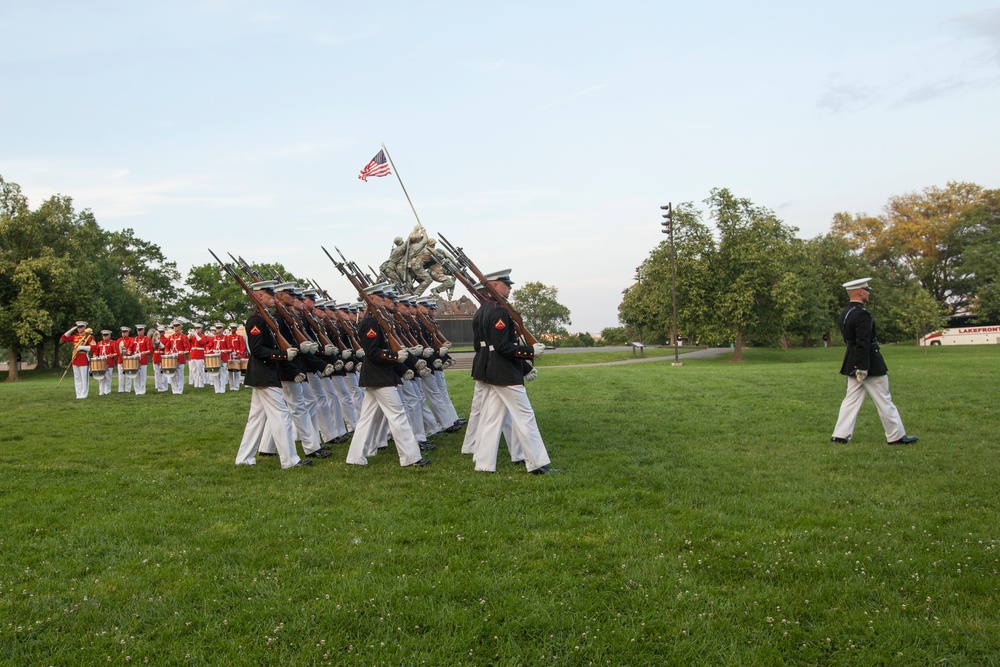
x=430 y=422
x=412 y=404
x=139 y=383
x=451 y=414
x=197 y=371
x=177 y=380
x=336 y=411
x=346 y=400
x=878 y=389
x=218 y=381
x=500 y=402
x=325 y=415
x=158 y=382
x=268 y=419
x=104 y=383
x=124 y=381
x=357 y=391
x=385 y=401
x=439 y=406
x=81 y=380
x=234 y=380
x=303 y=423
x=476 y=416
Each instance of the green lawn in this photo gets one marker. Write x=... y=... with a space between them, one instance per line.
x=703 y=518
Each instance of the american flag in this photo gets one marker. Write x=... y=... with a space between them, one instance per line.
x=377 y=167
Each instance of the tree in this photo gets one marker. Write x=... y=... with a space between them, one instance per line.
x=142 y=269
x=980 y=235
x=542 y=313
x=614 y=336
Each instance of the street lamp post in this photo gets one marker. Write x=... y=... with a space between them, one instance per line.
x=668 y=229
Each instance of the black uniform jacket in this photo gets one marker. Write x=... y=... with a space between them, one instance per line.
x=480 y=340
x=380 y=363
x=262 y=367
x=862 y=354
x=505 y=363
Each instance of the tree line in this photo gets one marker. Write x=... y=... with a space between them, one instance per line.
x=747 y=279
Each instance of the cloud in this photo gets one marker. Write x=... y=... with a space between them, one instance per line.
x=931 y=91
x=983 y=25
x=841 y=97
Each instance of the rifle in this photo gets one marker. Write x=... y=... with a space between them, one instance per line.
x=515 y=316
x=338 y=323
x=279 y=308
x=282 y=343
x=375 y=310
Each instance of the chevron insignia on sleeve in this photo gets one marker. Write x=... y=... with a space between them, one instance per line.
x=255 y=331
x=500 y=325
x=371 y=333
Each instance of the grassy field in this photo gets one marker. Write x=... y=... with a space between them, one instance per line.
x=703 y=518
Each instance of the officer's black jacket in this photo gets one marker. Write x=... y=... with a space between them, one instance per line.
x=505 y=361
x=479 y=341
x=262 y=368
x=381 y=367
x=862 y=354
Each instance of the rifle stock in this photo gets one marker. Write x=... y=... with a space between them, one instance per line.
x=282 y=343
x=394 y=344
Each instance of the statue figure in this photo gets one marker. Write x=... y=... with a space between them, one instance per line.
x=418 y=259
x=392 y=268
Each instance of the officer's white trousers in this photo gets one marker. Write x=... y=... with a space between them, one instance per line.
x=878 y=389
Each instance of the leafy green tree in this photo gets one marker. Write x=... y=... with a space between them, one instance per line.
x=143 y=270
x=614 y=336
x=980 y=234
x=541 y=311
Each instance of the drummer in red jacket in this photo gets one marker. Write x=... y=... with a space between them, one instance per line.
x=82 y=339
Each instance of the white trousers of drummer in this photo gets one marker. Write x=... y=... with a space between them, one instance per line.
x=81 y=381
x=878 y=389
x=234 y=380
x=475 y=417
x=412 y=404
x=387 y=402
x=124 y=381
x=197 y=371
x=104 y=383
x=270 y=421
x=177 y=379
x=346 y=400
x=159 y=380
x=139 y=382
x=218 y=381
x=500 y=403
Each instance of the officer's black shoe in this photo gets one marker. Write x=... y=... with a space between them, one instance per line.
x=545 y=470
x=325 y=446
x=267 y=453
x=318 y=454
x=836 y=439
x=426 y=446
x=905 y=440
x=454 y=427
x=421 y=463
x=462 y=420
x=518 y=463
x=301 y=463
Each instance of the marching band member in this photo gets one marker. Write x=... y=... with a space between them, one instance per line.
x=159 y=379
x=124 y=381
x=237 y=347
x=105 y=348
x=142 y=346
x=175 y=342
x=217 y=343
x=196 y=358
x=82 y=339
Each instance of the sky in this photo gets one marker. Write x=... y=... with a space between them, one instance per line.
x=539 y=136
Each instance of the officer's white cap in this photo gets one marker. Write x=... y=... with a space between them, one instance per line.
x=81 y=323
x=125 y=327
x=141 y=326
x=219 y=325
x=856 y=284
x=378 y=288
x=284 y=287
x=105 y=332
x=503 y=276
x=263 y=286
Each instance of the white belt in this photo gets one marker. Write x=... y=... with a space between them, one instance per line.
x=491 y=348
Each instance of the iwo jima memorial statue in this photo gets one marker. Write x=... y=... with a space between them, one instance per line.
x=417 y=262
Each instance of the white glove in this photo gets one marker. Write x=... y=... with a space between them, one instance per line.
x=444 y=350
x=71 y=331
x=300 y=378
x=346 y=354
x=408 y=375
x=425 y=372
x=539 y=348
x=428 y=352
x=309 y=347
x=449 y=363
x=531 y=375
x=416 y=350
x=358 y=367
x=338 y=364
x=420 y=365
x=359 y=353
x=861 y=375
x=330 y=350
x=291 y=352
x=329 y=370
x=83 y=348
x=437 y=364
x=402 y=355
x=350 y=366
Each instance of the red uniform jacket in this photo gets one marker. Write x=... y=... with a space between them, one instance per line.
x=197 y=345
x=81 y=358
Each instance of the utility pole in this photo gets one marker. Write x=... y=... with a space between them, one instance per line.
x=668 y=229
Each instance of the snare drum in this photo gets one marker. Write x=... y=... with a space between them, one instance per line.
x=168 y=364
x=234 y=365
x=130 y=365
x=243 y=365
x=98 y=367
x=213 y=362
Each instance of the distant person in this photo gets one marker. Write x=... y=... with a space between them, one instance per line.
x=82 y=338
x=865 y=370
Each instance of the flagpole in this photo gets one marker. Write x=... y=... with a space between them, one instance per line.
x=396 y=171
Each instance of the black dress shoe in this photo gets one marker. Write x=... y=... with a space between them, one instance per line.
x=519 y=463
x=545 y=470
x=421 y=463
x=319 y=454
x=426 y=446
x=325 y=447
x=267 y=453
x=462 y=420
x=454 y=427
x=301 y=463
x=905 y=440
x=836 y=439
